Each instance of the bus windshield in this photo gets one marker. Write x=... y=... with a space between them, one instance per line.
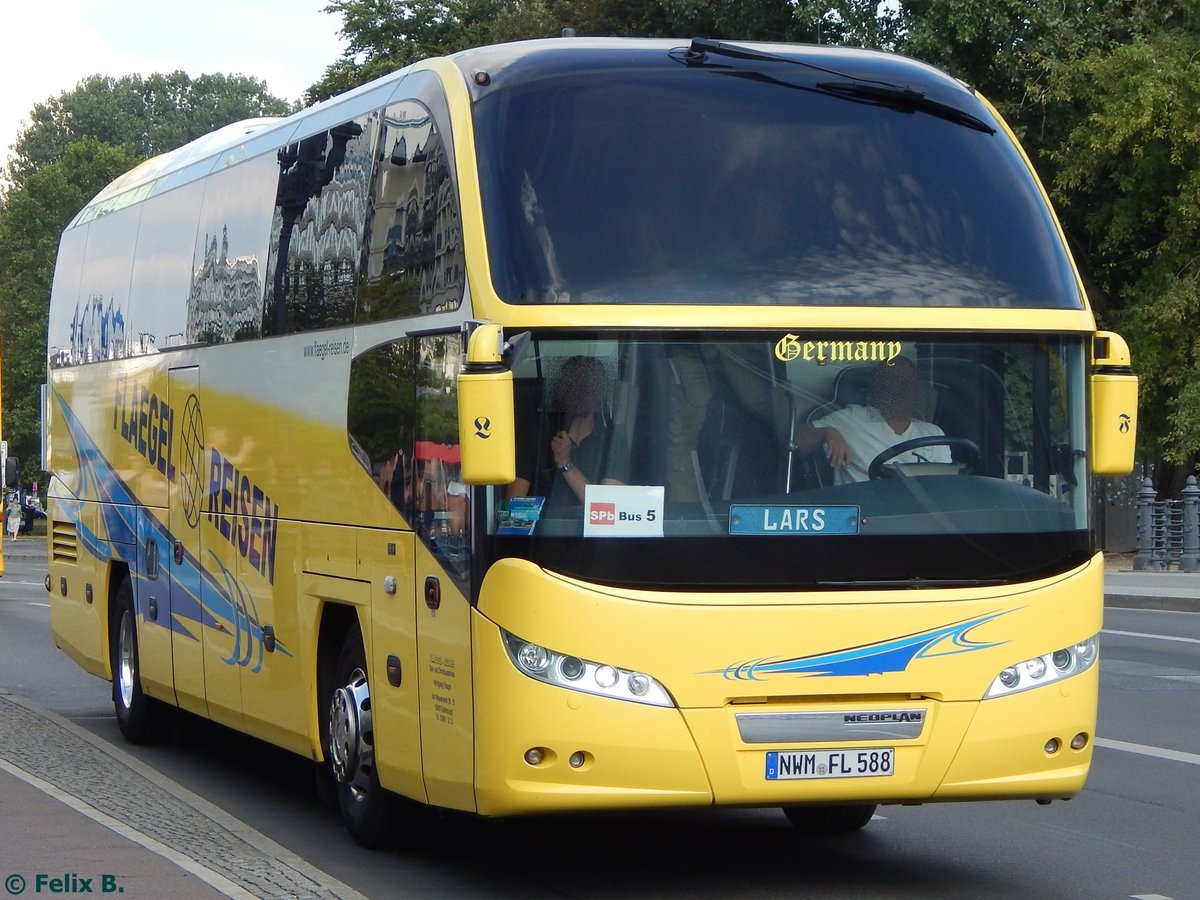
x=666 y=184
x=796 y=460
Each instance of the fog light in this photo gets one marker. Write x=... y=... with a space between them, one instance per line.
x=577 y=759
x=1052 y=745
x=1079 y=741
x=534 y=756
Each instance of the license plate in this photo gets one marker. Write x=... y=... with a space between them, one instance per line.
x=783 y=765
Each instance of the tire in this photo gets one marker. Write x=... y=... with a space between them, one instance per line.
x=142 y=719
x=372 y=814
x=829 y=819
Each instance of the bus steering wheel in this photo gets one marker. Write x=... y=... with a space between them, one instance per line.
x=967 y=448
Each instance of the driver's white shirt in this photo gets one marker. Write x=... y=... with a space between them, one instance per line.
x=869 y=435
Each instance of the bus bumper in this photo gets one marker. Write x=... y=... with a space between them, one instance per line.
x=630 y=755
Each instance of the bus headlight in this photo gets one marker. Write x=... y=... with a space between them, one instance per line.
x=578 y=674
x=1045 y=669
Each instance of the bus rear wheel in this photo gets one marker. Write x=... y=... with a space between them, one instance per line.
x=142 y=719
x=830 y=819
x=370 y=812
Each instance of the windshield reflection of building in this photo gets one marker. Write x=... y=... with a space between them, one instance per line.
x=97 y=332
x=416 y=236
x=226 y=297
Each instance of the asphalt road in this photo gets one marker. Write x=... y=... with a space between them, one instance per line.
x=1131 y=833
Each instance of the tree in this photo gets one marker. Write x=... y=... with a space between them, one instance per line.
x=30 y=222
x=1129 y=174
x=152 y=113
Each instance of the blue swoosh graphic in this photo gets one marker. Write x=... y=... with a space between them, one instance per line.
x=881 y=657
x=198 y=596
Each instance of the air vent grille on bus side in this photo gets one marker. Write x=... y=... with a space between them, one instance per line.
x=65 y=542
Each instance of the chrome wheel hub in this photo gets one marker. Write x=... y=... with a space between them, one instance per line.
x=351 y=736
x=126 y=668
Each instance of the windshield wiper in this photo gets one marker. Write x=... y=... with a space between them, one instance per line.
x=903 y=99
x=850 y=87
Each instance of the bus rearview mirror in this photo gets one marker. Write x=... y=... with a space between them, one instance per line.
x=1114 y=406
x=486 y=422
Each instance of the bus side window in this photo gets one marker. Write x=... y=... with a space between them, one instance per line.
x=442 y=513
x=320 y=214
x=414 y=251
x=381 y=420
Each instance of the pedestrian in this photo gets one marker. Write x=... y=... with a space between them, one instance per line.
x=14 y=516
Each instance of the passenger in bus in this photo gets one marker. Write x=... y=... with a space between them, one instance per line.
x=583 y=447
x=854 y=435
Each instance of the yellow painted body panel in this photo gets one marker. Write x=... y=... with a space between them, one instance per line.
x=252 y=528
x=393 y=632
x=693 y=645
x=445 y=677
x=638 y=755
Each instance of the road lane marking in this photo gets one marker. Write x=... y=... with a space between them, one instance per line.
x=1155 y=637
x=31 y=603
x=1144 y=750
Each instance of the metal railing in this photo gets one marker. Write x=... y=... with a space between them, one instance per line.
x=1168 y=531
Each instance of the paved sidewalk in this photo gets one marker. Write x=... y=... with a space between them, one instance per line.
x=1129 y=589
x=73 y=807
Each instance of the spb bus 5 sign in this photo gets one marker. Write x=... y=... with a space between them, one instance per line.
x=619 y=476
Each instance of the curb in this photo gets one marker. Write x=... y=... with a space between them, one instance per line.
x=1151 y=601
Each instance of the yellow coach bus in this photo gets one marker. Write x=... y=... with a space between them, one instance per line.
x=583 y=424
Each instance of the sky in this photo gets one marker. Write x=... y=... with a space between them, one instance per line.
x=51 y=45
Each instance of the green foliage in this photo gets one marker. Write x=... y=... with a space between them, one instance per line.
x=1128 y=174
x=153 y=113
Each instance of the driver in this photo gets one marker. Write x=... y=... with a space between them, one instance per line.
x=854 y=435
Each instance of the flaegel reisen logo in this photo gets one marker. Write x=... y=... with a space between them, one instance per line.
x=66 y=883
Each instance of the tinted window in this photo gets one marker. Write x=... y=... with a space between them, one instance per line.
x=690 y=462
x=415 y=260
x=403 y=424
x=98 y=328
x=317 y=236
x=442 y=502
x=226 y=298
x=162 y=270
x=381 y=419
x=677 y=185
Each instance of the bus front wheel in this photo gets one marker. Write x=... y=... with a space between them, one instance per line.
x=369 y=811
x=829 y=819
